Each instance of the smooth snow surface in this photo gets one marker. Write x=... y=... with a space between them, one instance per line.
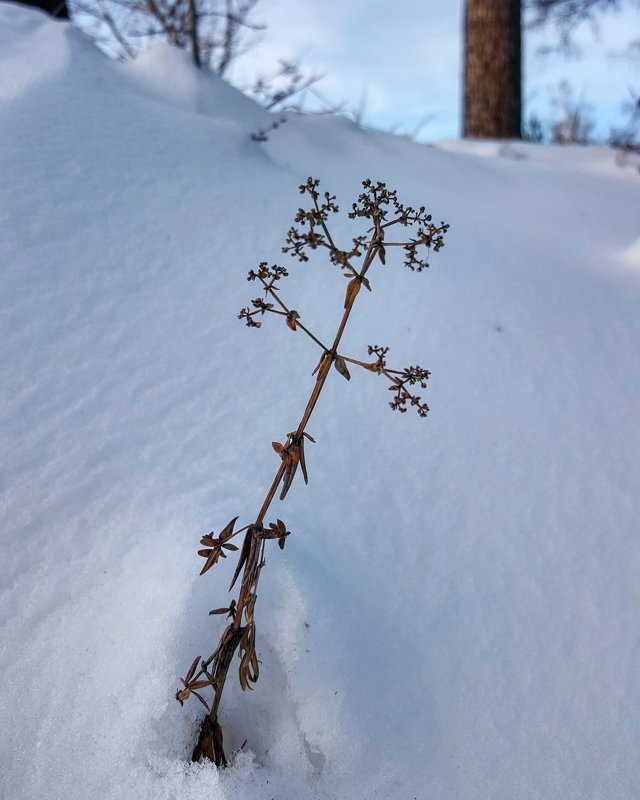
x=455 y=615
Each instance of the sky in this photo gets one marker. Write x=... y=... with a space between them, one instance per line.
x=402 y=61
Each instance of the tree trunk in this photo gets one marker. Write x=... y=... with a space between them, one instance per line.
x=492 y=69
x=57 y=8
x=193 y=33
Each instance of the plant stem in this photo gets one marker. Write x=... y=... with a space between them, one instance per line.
x=274 y=294
x=253 y=547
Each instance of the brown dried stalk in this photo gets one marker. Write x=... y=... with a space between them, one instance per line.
x=381 y=208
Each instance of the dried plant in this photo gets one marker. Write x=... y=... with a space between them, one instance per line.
x=574 y=124
x=380 y=210
x=289 y=80
x=262 y=134
x=212 y=30
x=627 y=140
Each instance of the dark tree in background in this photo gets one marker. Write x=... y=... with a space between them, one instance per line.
x=492 y=69
x=493 y=55
x=57 y=8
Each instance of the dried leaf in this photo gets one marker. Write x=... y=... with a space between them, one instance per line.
x=244 y=553
x=210 y=743
x=340 y=364
x=277 y=447
x=303 y=464
x=182 y=695
x=191 y=670
x=288 y=477
x=292 y=458
x=249 y=668
x=309 y=437
x=381 y=253
x=227 y=532
x=319 y=364
x=202 y=700
x=198 y=685
x=220 y=759
x=212 y=558
x=353 y=287
x=219 y=611
x=292 y=316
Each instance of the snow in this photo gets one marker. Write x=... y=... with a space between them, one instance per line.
x=454 y=615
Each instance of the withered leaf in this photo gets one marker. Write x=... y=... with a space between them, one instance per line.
x=228 y=546
x=291 y=318
x=244 y=553
x=182 y=695
x=249 y=667
x=289 y=473
x=202 y=700
x=353 y=287
x=227 y=533
x=212 y=558
x=340 y=364
x=198 y=685
x=303 y=464
x=277 y=447
x=309 y=437
x=219 y=611
x=319 y=364
x=191 y=670
x=381 y=253
x=220 y=759
x=209 y=744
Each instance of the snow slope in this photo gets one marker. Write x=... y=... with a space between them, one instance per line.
x=455 y=614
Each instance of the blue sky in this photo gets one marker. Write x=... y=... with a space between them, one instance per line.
x=406 y=57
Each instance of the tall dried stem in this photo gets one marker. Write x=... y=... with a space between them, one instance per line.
x=381 y=208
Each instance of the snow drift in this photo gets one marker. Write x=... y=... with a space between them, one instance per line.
x=455 y=613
